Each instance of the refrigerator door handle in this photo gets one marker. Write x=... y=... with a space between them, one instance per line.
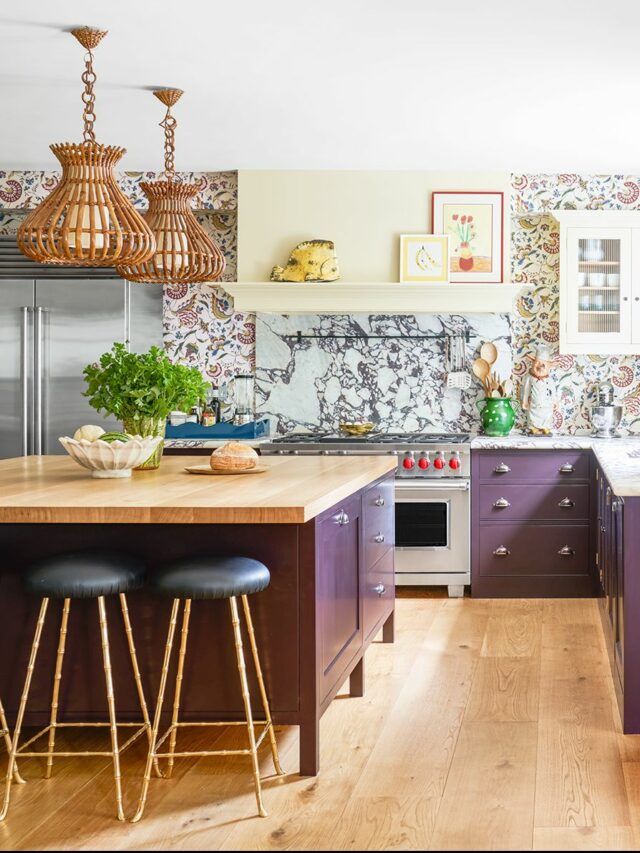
x=38 y=369
x=25 y=312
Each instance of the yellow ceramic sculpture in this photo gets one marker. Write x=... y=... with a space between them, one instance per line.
x=313 y=260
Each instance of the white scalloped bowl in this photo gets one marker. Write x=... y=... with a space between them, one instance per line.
x=110 y=459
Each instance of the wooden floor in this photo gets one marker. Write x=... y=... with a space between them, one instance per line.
x=488 y=725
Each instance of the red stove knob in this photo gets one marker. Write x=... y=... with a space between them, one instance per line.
x=407 y=462
x=423 y=462
x=439 y=463
x=454 y=463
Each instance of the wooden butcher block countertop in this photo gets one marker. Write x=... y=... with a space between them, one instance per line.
x=56 y=490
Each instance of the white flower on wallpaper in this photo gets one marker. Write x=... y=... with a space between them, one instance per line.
x=534 y=260
x=200 y=326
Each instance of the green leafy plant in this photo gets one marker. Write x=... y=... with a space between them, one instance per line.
x=134 y=386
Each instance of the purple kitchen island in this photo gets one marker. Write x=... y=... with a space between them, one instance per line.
x=324 y=527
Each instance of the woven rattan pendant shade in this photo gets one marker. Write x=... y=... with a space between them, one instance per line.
x=86 y=220
x=184 y=251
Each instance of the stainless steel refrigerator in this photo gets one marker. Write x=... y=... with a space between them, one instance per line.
x=50 y=328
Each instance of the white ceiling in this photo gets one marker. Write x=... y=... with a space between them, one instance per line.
x=541 y=85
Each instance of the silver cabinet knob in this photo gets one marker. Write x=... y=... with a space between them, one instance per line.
x=502 y=468
x=501 y=551
x=566 y=503
x=379 y=501
x=567 y=468
x=616 y=505
x=379 y=537
x=380 y=589
x=341 y=518
x=502 y=503
x=566 y=551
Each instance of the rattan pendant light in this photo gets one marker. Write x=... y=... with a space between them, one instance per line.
x=184 y=251
x=86 y=220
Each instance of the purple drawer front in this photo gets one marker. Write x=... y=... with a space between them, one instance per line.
x=379 y=592
x=534 y=503
x=534 y=466
x=533 y=550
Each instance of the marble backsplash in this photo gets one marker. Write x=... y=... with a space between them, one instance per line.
x=398 y=383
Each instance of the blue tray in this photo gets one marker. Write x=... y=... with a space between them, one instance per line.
x=255 y=429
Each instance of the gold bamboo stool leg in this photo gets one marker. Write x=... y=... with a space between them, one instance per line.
x=136 y=673
x=263 y=692
x=156 y=720
x=242 y=671
x=62 y=642
x=23 y=703
x=17 y=778
x=106 y=656
x=186 y=613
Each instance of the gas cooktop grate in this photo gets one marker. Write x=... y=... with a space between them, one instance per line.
x=374 y=438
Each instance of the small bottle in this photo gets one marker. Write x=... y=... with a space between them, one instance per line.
x=208 y=418
x=214 y=403
x=194 y=415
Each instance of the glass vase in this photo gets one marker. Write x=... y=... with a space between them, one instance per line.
x=145 y=427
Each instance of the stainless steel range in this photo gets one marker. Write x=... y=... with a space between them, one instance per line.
x=432 y=497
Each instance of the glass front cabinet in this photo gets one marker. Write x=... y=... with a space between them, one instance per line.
x=599 y=281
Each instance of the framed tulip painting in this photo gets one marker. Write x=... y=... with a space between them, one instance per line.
x=424 y=259
x=474 y=223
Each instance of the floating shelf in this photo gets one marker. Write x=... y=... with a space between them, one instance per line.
x=342 y=297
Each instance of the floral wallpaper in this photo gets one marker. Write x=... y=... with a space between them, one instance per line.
x=200 y=326
x=535 y=260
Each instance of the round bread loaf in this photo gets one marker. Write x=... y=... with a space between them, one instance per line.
x=233 y=456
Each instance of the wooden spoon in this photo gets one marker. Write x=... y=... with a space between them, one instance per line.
x=481 y=369
x=489 y=352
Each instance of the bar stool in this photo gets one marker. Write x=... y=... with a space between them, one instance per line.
x=78 y=575
x=211 y=578
x=5 y=734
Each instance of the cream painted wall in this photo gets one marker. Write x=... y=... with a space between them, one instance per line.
x=363 y=212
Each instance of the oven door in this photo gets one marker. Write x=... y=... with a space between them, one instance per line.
x=433 y=527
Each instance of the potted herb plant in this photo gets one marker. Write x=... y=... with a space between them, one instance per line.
x=140 y=389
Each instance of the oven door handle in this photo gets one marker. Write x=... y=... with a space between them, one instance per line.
x=433 y=486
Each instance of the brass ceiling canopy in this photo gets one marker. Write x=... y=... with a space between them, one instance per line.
x=86 y=220
x=184 y=251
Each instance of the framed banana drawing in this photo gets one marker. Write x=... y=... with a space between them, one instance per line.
x=424 y=258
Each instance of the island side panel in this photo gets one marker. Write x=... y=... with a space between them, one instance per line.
x=628 y=604
x=210 y=687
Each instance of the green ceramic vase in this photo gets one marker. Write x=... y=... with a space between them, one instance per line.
x=497 y=415
x=145 y=427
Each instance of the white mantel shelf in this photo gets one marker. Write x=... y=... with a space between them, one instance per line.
x=343 y=297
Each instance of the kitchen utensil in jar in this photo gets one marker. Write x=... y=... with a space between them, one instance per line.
x=489 y=352
x=481 y=369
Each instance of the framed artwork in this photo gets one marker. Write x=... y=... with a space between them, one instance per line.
x=474 y=223
x=424 y=258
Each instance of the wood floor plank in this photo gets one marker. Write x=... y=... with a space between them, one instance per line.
x=584 y=838
x=579 y=778
x=513 y=635
x=570 y=650
x=504 y=690
x=488 y=798
x=571 y=611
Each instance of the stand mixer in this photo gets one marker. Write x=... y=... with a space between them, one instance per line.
x=605 y=414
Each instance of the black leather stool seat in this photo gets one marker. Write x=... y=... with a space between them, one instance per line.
x=211 y=577
x=84 y=574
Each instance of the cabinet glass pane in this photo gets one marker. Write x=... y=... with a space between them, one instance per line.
x=598 y=286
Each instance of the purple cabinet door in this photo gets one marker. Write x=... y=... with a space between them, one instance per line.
x=528 y=550
x=339 y=606
x=502 y=503
x=533 y=466
x=378 y=525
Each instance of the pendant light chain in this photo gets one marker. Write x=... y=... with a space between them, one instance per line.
x=89 y=78
x=169 y=123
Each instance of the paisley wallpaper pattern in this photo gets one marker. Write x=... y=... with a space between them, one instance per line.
x=200 y=326
x=535 y=260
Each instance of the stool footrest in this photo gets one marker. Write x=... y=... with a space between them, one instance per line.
x=141 y=729
x=267 y=725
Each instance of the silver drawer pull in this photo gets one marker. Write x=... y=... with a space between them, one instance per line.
x=380 y=589
x=379 y=537
x=567 y=468
x=379 y=501
x=566 y=551
x=501 y=551
x=566 y=503
x=342 y=518
x=501 y=503
x=502 y=468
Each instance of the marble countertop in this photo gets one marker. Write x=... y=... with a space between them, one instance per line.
x=618 y=457
x=196 y=443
